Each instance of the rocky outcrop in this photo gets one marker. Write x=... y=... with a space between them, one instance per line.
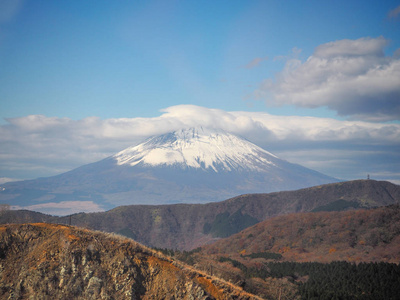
x=48 y=261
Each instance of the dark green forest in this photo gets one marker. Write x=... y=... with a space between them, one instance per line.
x=335 y=280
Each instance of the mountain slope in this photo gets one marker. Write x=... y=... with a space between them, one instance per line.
x=195 y=165
x=325 y=255
x=357 y=235
x=61 y=262
x=187 y=226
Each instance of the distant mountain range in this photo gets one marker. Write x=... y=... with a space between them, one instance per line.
x=187 y=226
x=196 y=165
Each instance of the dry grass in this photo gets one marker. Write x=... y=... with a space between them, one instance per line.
x=47 y=240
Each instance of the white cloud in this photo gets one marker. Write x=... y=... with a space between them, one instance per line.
x=35 y=146
x=352 y=48
x=352 y=77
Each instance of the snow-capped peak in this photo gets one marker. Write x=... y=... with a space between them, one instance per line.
x=200 y=148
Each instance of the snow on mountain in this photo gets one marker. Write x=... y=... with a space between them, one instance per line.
x=198 y=148
x=196 y=165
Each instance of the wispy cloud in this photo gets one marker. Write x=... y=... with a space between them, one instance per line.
x=43 y=146
x=9 y=9
x=352 y=77
x=394 y=13
x=6 y=179
x=254 y=63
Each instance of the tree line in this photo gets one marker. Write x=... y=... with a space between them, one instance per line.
x=335 y=280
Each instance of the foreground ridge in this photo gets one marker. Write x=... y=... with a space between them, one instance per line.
x=57 y=261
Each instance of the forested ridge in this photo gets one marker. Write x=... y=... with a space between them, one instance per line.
x=335 y=280
x=323 y=255
x=304 y=280
x=364 y=235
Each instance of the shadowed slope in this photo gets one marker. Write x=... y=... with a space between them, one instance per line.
x=187 y=226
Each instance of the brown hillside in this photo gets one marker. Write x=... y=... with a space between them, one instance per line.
x=188 y=226
x=357 y=235
x=45 y=261
x=365 y=235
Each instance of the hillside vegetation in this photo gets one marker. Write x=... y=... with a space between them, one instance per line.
x=322 y=255
x=188 y=226
x=47 y=261
x=365 y=235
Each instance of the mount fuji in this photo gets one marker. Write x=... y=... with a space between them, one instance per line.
x=198 y=148
x=195 y=165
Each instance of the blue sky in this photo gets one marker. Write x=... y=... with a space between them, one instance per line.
x=131 y=58
x=75 y=63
